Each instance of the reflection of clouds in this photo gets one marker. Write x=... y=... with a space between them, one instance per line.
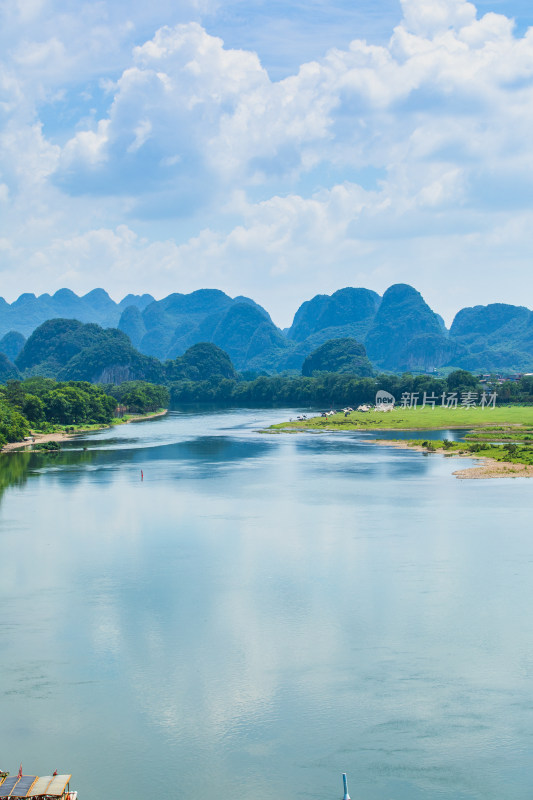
x=253 y=634
x=105 y=632
x=318 y=601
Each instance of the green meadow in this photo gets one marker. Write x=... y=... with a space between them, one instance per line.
x=504 y=433
x=511 y=420
x=510 y=452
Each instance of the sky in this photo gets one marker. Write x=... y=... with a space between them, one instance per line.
x=271 y=149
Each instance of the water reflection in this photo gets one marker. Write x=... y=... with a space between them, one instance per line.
x=16 y=467
x=264 y=612
x=456 y=435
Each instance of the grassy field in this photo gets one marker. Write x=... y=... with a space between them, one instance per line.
x=511 y=426
x=502 y=433
x=514 y=420
x=511 y=452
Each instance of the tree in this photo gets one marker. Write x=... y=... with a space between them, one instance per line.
x=33 y=409
x=13 y=426
x=140 y=396
x=461 y=380
x=15 y=393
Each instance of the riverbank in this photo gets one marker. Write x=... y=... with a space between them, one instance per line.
x=501 y=437
x=62 y=435
x=424 y=419
x=492 y=466
x=143 y=417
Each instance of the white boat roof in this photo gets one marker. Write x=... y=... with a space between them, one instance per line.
x=55 y=788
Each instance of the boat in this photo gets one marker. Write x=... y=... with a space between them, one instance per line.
x=52 y=787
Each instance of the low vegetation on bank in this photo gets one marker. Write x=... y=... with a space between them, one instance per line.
x=508 y=453
x=502 y=434
x=513 y=420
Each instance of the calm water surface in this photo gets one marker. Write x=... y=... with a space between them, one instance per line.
x=261 y=613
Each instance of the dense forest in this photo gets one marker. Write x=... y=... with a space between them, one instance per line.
x=41 y=403
x=333 y=389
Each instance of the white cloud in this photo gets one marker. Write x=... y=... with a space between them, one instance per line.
x=87 y=146
x=429 y=17
x=363 y=167
x=448 y=88
x=181 y=85
x=288 y=248
x=37 y=55
x=27 y=159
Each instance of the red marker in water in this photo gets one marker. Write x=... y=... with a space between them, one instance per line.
x=142 y=476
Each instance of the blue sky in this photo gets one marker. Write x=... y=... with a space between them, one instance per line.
x=273 y=149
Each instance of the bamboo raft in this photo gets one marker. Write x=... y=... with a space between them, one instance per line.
x=48 y=787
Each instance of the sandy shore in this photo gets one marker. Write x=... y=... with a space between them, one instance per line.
x=495 y=469
x=61 y=436
x=489 y=468
x=38 y=437
x=144 y=417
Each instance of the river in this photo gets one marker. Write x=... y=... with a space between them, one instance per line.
x=260 y=613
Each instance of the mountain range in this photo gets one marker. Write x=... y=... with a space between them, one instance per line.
x=69 y=350
x=399 y=330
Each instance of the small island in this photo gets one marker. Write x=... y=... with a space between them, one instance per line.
x=502 y=437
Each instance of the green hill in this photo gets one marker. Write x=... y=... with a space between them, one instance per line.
x=406 y=334
x=494 y=337
x=201 y=362
x=400 y=331
x=346 y=356
x=11 y=344
x=351 y=311
x=112 y=359
x=54 y=343
x=69 y=350
x=28 y=311
x=8 y=370
x=168 y=328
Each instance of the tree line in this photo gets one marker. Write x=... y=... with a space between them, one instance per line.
x=139 y=397
x=332 y=389
x=40 y=403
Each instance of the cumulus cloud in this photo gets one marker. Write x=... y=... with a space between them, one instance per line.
x=194 y=167
x=448 y=88
x=165 y=109
x=430 y=17
x=287 y=248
